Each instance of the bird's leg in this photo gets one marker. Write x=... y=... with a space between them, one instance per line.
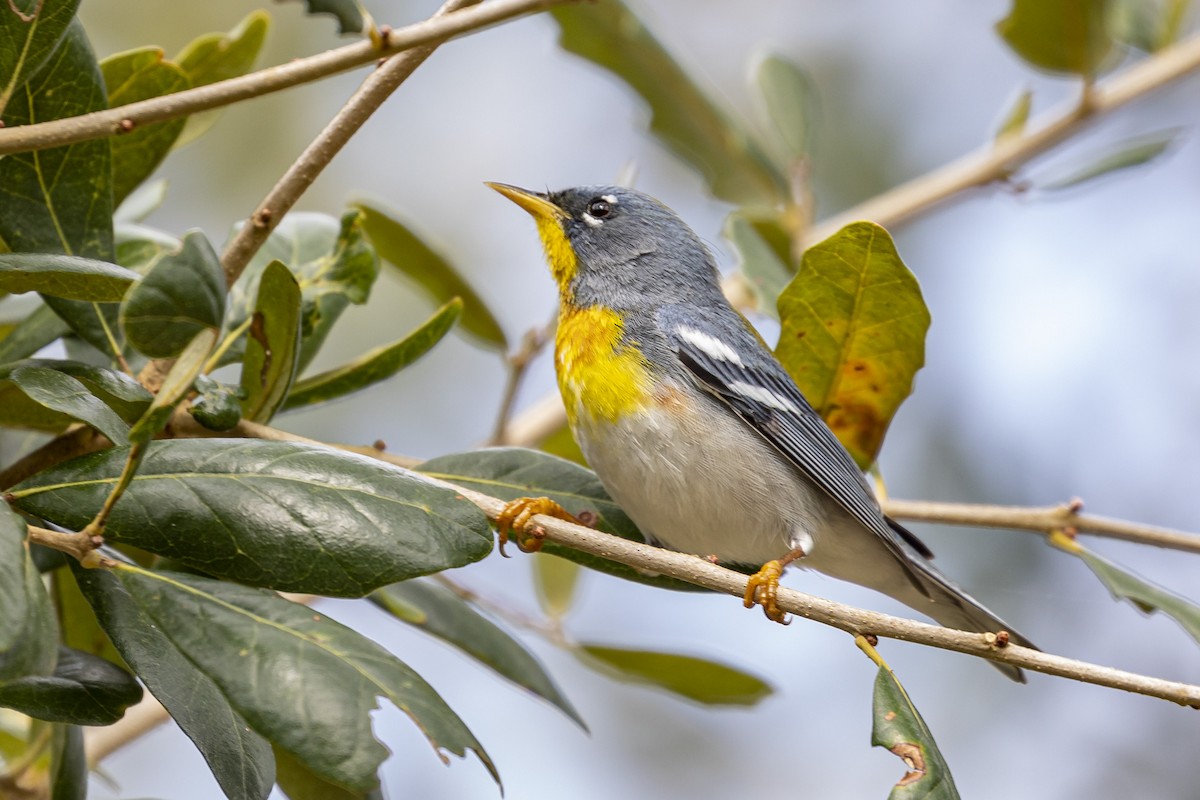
x=516 y=516
x=763 y=586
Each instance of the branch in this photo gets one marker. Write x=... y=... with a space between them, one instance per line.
x=1044 y=520
x=272 y=79
x=80 y=545
x=518 y=362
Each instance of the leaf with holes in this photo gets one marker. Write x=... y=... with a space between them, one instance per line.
x=899 y=728
x=852 y=336
x=510 y=472
x=440 y=612
x=288 y=516
x=375 y=365
x=683 y=116
x=697 y=679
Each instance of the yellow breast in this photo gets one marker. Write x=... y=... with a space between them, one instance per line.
x=601 y=377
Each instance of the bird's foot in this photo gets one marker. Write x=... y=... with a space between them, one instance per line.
x=763 y=587
x=516 y=518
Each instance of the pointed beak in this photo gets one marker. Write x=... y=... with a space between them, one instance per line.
x=536 y=203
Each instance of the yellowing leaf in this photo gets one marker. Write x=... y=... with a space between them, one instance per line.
x=1059 y=35
x=852 y=334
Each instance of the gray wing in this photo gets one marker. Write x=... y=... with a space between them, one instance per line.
x=757 y=388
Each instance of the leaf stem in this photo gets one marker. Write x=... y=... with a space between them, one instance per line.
x=95 y=528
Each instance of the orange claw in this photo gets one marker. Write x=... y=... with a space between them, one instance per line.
x=763 y=589
x=517 y=515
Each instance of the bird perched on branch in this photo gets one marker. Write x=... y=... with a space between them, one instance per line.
x=693 y=426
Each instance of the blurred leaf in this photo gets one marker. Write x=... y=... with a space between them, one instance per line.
x=272 y=344
x=68 y=764
x=1139 y=592
x=1062 y=36
x=1013 y=123
x=556 y=580
x=899 y=727
x=140 y=247
x=28 y=634
x=511 y=472
x=333 y=262
x=175 y=386
x=407 y=252
x=217 y=57
x=33 y=333
x=218 y=406
x=789 y=95
x=116 y=390
x=442 y=613
x=139 y=204
x=289 y=516
x=60 y=392
x=766 y=268
x=696 y=679
x=298 y=782
x=350 y=15
x=1116 y=156
x=562 y=443
x=374 y=365
x=181 y=295
x=1149 y=25
x=132 y=76
x=64 y=276
x=59 y=200
x=852 y=334
x=26 y=44
x=239 y=758
x=689 y=122
x=297 y=677
x=84 y=690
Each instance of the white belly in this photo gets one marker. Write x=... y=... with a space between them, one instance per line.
x=705 y=488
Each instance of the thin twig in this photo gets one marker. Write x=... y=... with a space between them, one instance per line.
x=122 y=119
x=1042 y=520
x=532 y=343
x=79 y=545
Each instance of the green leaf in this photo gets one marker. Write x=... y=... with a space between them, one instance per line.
x=27 y=39
x=561 y=442
x=34 y=332
x=298 y=782
x=1149 y=25
x=289 y=516
x=375 y=365
x=696 y=679
x=60 y=392
x=1017 y=115
x=218 y=57
x=68 y=764
x=1142 y=594
x=175 y=387
x=84 y=690
x=683 y=116
x=181 y=295
x=297 y=677
x=116 y=390
x=510 y=472
x=239 y=758
x=65 y=276
x=139 y=204
x=789 y=95
x=59 y=200
x=273 y=345
x=132 y=76
x=28 y=633
x=1116 y=156
x=350 y=15
x=852 y=334
x=333 y=262
x=556 y=580
x=433 y=274
x=766 y=267
x=440 y=612
x=899 y=728
x=218 y=406
x=1061 y=36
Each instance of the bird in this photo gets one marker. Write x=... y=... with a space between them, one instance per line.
x=692 y=425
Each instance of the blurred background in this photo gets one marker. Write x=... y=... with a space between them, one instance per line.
x=1063 y=361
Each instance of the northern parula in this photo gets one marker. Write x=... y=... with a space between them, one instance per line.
x=695 y=429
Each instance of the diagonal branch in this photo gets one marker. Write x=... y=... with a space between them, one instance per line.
x=272 y=79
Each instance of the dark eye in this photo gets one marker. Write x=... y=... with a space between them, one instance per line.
x=599 y=208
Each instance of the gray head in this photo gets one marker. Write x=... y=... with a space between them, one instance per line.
x=619 y=247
